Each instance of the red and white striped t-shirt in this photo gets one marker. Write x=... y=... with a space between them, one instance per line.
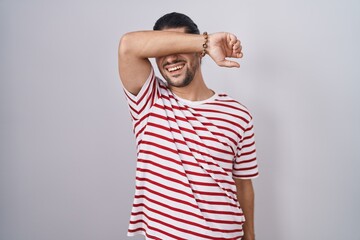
x=187 y=156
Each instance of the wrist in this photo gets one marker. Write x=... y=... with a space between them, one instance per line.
x=205 y=44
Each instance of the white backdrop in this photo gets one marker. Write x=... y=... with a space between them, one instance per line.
x=67 y=150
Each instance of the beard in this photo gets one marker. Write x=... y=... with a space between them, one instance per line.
x=189 y=76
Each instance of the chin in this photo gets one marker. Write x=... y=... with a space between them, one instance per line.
x=179 y=82
x=183 y=83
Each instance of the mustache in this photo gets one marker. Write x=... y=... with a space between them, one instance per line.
x=173 y=62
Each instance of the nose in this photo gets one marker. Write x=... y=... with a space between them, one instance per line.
x=171 y=58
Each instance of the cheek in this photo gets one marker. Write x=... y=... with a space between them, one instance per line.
x=195 y=62
x=158 y=61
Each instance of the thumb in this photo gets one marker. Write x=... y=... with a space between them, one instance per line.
x=228 y=63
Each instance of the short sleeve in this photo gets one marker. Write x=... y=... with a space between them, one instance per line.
x=141 y=103
x=245 y=165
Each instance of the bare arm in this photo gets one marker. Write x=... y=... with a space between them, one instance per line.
x=136 y=47
x=245 y=194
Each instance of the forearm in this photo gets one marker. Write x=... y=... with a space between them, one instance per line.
x=149 y=44
x=136 y=48
x=246 y=196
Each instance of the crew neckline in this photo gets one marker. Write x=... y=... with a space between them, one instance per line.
x=192 y=103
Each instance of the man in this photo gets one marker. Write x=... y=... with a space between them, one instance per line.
x=195 y=147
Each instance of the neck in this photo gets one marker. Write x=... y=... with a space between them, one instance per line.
x=195 y=91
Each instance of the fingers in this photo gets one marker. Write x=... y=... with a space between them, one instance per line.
x=237 y=49
x=236 y=52
x=232 y=40
x=235 y=44
x=224 y=46
x=228 y=63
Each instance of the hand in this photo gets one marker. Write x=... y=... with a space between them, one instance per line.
x=222 y=46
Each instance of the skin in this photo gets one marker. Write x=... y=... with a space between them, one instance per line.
x=245 y=195
x=187 y=82
x=173 y=48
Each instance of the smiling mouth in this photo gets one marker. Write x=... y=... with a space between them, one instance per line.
x=175 y=68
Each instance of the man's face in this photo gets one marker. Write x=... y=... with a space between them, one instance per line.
x=178 y=69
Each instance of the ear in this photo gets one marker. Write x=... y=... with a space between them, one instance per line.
x=200 y=57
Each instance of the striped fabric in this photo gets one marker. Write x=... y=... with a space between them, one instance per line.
x=187 y=156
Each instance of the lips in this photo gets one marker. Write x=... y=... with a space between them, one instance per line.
x=174 y=67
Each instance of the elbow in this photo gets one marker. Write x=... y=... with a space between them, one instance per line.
x=125 y=44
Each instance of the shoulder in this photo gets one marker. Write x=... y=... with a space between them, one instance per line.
x=233 y=106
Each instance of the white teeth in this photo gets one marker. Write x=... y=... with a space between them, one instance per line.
x=175 y=68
